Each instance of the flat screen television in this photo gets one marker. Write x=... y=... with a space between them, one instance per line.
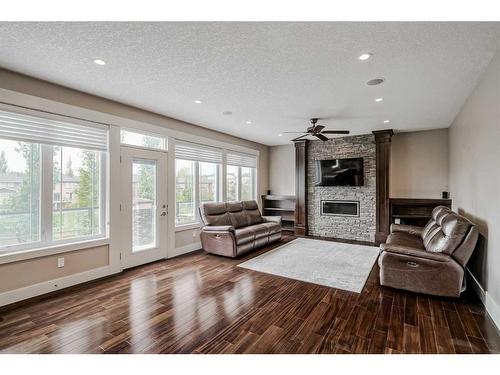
x=339 y=172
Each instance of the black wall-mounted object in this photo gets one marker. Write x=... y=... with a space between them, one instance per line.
x=339 y=172
x=445 y=195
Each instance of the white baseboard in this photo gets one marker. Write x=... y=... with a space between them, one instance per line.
x=185 y=249
x=492 y=307
x=16 y=295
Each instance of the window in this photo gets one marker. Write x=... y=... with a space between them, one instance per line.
x=131 y=138
x=241 y=177
x=232 y=179
x=247 y=183
x=143 y=205
x=208 y=182
x=77 y=192
x=51 y=181
x=197 y=179
x=19 y=193
x=184 y=192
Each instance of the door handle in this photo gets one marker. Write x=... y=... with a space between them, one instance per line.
x=164 y=213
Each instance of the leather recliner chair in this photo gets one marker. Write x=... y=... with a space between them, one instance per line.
x=232 y=229
x=432 y=259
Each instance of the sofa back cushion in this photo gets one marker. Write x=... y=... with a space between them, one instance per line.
x=252 y=211
x=432 y=227
x=450 y=231
x=237 y=214
x=214 y=214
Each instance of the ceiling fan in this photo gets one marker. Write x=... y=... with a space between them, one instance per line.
x=317 y=131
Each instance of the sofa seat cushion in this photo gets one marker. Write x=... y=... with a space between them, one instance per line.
x=272 y=227
x=405 y=239
x=244 y=235
x=260 y=230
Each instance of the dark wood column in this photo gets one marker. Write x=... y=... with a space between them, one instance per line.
x=383 y=152
x=301 y=187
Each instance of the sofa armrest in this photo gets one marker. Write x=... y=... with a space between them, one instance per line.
x=218 y=228
x=413 y=252
x=272 y=219
x=410 y=229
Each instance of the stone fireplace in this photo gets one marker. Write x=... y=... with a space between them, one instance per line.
x=344 y=212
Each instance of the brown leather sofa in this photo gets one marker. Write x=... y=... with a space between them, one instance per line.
x=429 y=260
x=236 y=228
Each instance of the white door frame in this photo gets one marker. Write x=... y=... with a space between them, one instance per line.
x=127 y=156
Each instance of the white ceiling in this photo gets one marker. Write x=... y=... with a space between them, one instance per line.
x=276 y=74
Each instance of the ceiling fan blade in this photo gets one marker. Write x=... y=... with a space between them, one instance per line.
x=298 y=138
x=293 y=132
x=335 y=132
x=318 y=128
x=321 y=136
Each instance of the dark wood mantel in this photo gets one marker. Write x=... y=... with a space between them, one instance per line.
x=383 y=153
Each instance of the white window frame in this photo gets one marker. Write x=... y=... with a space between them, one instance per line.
x=254 y=182
x=221 y=190
x=147 y=133
x=196 y=196
x=46 y=208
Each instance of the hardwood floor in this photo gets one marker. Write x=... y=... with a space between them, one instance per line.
x=202 y=303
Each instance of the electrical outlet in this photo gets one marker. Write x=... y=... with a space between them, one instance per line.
x=60 y=262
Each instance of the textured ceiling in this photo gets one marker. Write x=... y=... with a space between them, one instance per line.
x=276 y=75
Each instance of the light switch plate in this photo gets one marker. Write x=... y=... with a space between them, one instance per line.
x=60 y=262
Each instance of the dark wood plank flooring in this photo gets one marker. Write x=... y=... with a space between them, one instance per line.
x=201 y=303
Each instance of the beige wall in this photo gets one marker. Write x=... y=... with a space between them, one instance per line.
x=187 y=237
x=475 y=175
x=32 y=271
x=282 y=169
x=419 y=164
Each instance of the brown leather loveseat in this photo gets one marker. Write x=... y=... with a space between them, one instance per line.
x=236 y=228
x=431 y=259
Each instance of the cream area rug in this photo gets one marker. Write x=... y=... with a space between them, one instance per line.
x=334 y=264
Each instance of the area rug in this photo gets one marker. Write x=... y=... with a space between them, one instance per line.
x=334 y=264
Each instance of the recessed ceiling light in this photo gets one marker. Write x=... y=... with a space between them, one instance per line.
x=365 y=56
x=375 y=81
x=100 y=62
x=227 y=113
x=280 y=135
x=197 y=101
x=249 y=122
x=379 y=99
x=386 y=121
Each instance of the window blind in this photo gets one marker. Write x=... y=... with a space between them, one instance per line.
x=36 y=129
x=196 y=152
x=241 y=160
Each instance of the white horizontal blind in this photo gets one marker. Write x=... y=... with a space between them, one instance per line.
x=196 y=152
x=241 y=160
x=35 y=129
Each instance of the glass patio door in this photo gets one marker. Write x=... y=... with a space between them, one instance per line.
x=144 y=206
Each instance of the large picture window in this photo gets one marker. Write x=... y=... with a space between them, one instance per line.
x=51 y=182
x=19 y=193
x=198 y=179
x=184 y=192
x=241 y=177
